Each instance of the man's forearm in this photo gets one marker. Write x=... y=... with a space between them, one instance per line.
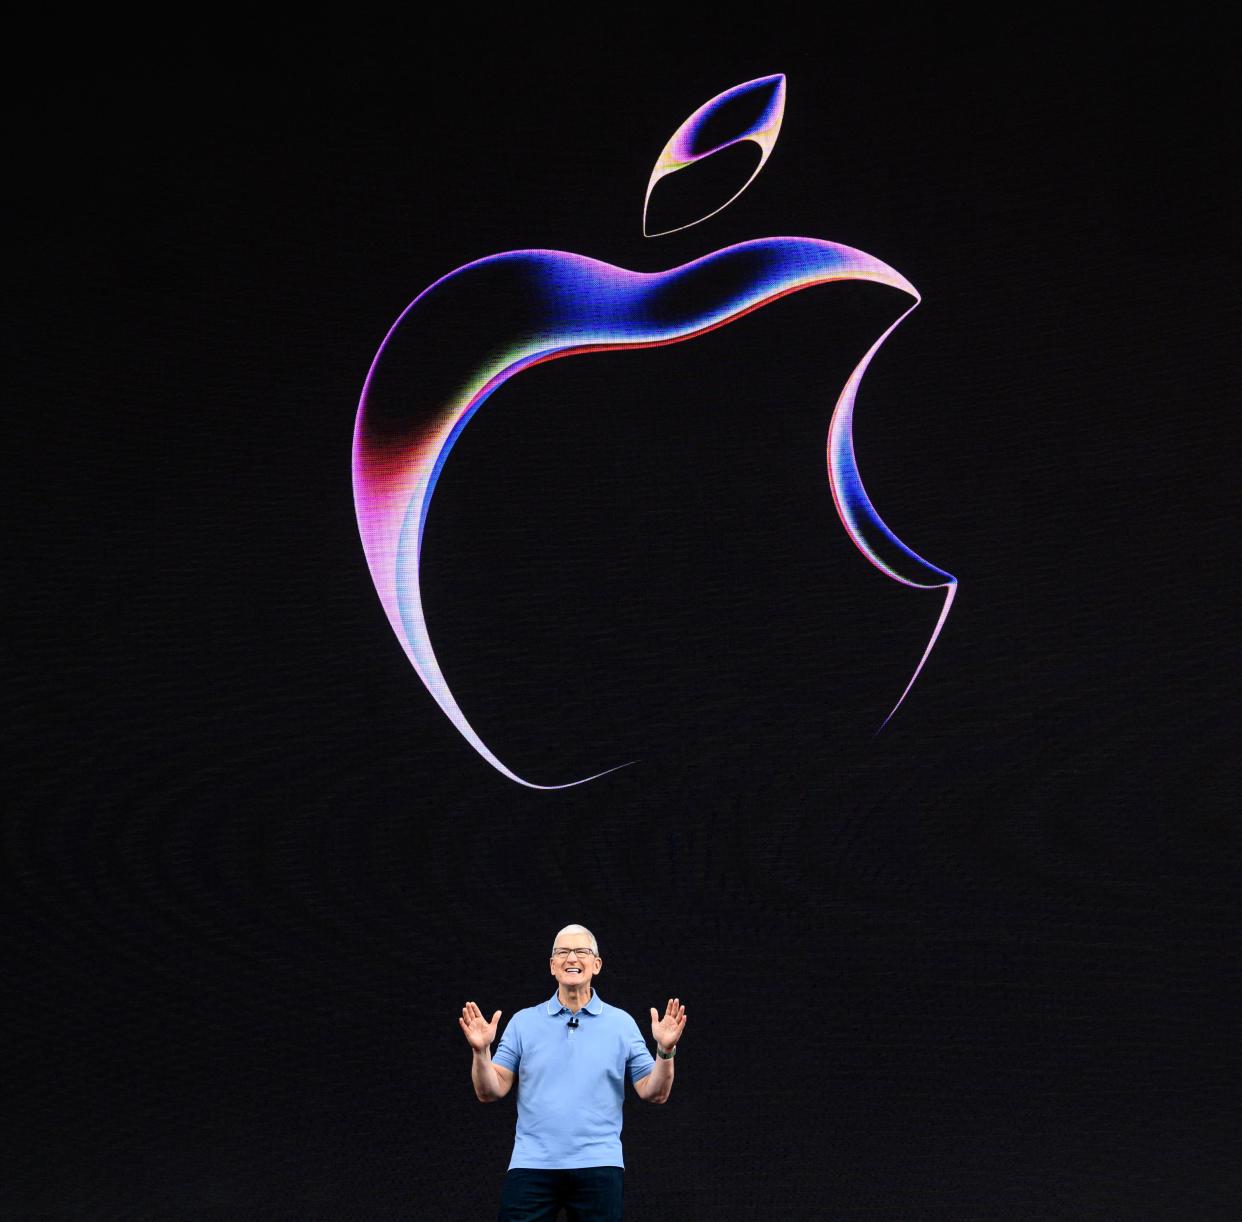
x=660 y=1081
x=483 y=1074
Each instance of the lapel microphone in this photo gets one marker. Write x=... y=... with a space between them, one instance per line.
x=573 y=1021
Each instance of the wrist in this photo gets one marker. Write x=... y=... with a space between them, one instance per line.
x=665 y=1056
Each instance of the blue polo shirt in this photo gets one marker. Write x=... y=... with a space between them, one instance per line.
x=571 y=1082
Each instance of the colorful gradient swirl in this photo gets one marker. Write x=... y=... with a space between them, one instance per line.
x=477 y=327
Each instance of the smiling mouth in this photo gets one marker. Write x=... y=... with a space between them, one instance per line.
x=575 y=970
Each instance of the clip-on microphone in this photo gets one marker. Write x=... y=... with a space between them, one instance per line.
x=573 y=1021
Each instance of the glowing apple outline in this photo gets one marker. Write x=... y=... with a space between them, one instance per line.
x=394 y=481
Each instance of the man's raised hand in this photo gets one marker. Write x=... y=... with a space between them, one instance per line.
x=479 y=1032
x=667 y=1031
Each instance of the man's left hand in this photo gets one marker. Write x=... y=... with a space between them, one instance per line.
x=667 y=1031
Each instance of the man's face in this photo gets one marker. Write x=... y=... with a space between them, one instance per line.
x=580 y=965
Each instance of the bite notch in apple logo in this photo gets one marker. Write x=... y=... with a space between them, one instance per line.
x=482 y=324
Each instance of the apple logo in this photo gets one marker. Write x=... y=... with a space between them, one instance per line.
x=486 y=322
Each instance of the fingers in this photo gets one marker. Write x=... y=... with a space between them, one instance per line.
x=470 y=1013
x=674 y=1012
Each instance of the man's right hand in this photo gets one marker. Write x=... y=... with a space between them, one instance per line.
x=480 y=1034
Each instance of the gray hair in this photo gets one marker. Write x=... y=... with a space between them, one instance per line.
x=577 y=929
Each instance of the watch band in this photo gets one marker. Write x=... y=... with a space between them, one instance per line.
x=666 y=1056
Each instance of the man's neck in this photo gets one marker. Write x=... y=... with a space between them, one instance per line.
x=574 y=996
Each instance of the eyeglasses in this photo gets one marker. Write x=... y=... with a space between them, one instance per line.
x=583 y=952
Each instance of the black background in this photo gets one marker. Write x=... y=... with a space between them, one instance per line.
x=974 y=967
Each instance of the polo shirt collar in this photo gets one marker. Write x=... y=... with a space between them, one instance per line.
x=594 y=1006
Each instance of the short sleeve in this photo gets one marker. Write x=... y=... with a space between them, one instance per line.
x=508 y=1054
x=639 y=1061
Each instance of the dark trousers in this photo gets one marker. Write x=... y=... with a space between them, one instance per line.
x=588 y=1194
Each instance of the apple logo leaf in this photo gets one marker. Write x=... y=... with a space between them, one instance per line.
x=707 y=132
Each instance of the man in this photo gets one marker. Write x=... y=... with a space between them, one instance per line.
x=571 y=1057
